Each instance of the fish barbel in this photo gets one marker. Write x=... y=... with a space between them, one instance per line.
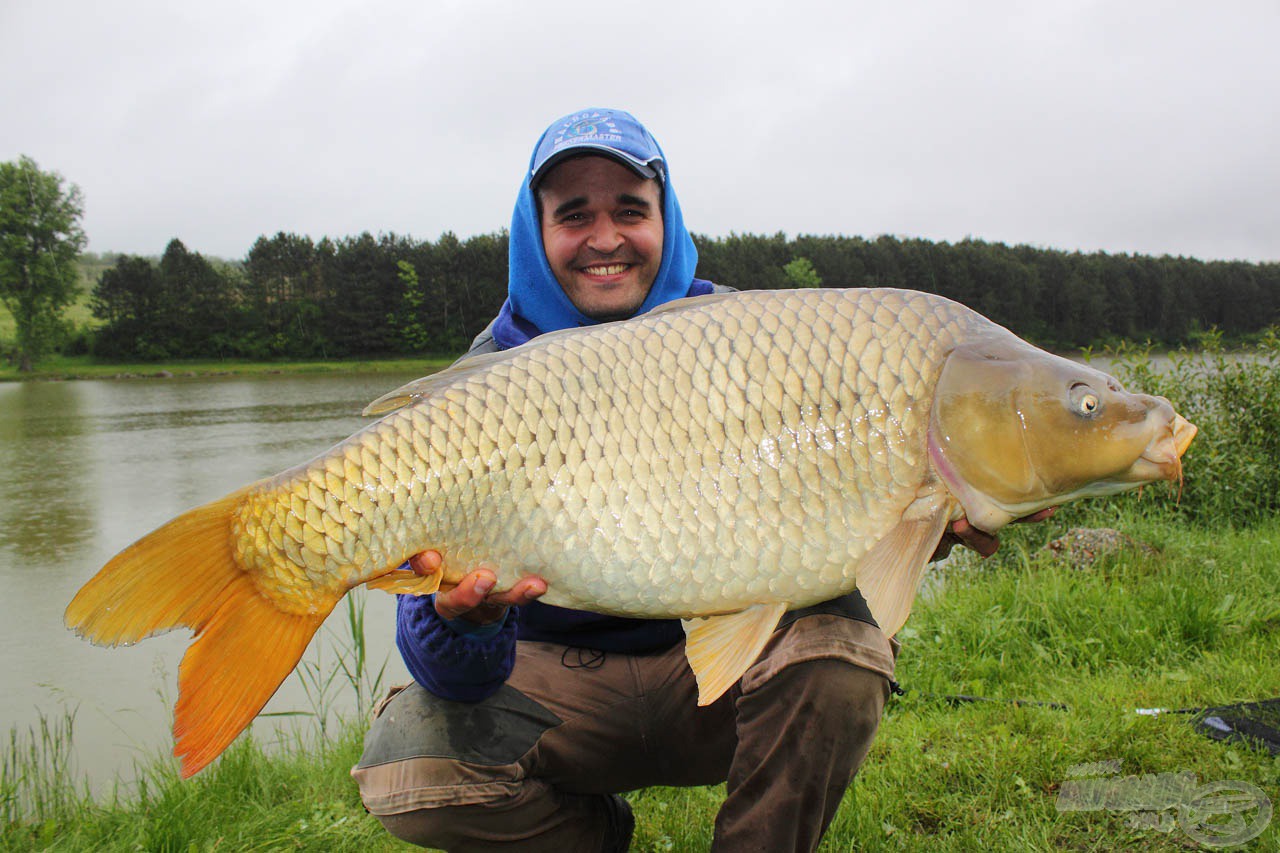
x=721 y=459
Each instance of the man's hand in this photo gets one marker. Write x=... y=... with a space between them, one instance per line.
x=961 y=532
x=473 y=598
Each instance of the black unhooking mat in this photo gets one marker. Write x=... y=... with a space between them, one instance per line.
x=1253 y=723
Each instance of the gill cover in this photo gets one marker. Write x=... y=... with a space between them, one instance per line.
x=1015 y=429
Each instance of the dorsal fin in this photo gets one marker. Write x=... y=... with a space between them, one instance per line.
x=419 y=389
x=689 y=302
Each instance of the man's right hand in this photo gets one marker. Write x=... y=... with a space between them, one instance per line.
x=473 y=598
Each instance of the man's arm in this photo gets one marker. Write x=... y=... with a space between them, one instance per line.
x=460 y=644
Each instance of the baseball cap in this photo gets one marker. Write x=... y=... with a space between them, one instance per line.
x=613 y=133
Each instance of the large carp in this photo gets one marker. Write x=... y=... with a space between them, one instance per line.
x=721 y=459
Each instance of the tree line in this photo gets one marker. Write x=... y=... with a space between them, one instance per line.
x=293 y=297
x=362 y=296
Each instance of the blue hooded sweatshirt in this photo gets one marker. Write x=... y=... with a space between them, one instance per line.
x=459 y=660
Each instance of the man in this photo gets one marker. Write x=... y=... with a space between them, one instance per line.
x=525 y=720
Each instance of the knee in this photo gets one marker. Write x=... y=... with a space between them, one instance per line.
x=537 y=819
x=834 y=700
x=423 y=827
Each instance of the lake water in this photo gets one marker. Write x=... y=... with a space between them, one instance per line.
x=88 y=467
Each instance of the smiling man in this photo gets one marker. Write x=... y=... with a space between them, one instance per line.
x=525 y=721
x=602 y=234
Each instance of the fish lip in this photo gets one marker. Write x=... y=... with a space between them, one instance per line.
x=1165 y=452
x=1183 y=432
x=1150 y=467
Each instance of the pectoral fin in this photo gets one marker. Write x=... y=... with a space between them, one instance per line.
x=890 y=573
x=406 y=582
x=720 y=648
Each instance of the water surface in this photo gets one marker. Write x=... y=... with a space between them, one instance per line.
x=88 y=467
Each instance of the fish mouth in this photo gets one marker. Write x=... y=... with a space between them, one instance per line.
x=1162 y=460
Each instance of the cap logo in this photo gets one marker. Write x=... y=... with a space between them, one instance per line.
x=597 y=125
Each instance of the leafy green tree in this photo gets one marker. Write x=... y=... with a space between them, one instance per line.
x=407 y=322
x=40 y=237
x=800 y=273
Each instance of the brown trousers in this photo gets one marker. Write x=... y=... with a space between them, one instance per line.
x=527 y=769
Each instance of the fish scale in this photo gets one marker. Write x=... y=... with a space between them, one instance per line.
x=760 y=407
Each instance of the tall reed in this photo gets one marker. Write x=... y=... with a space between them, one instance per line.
x=351 y=674
x=37 y=773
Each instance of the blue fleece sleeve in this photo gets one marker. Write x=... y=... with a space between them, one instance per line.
x=463 y=667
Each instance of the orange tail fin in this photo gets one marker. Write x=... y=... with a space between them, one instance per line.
x=185 y=574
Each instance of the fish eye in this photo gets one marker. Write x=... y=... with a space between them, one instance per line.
x=1084 y=400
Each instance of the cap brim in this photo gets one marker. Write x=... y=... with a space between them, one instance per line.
x=583 y=149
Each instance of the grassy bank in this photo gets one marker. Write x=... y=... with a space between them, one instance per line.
x=1197 y=624
x=59 y=368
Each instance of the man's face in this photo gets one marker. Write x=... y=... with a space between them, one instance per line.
x=602 y=233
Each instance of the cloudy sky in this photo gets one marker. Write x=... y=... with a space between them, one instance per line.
x=1147 y=126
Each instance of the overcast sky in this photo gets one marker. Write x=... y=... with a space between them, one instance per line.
x=1150 y=127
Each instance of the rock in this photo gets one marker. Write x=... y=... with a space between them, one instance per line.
x=163 y=374
x=1082 y=545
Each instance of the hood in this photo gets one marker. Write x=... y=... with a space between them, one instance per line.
x=535 y=301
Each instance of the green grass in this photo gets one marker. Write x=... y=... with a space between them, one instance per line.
x=296 y=799
x=78 y=312
x=1198 y=624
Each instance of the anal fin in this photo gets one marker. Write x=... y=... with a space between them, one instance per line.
x=406 y=582
x=890 y=573
x=720 y=648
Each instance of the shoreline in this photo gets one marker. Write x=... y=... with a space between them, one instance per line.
x=76 y=368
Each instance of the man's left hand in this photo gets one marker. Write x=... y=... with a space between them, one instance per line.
x=961 y=532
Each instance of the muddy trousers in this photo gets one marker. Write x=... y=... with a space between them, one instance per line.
x=531 y=768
